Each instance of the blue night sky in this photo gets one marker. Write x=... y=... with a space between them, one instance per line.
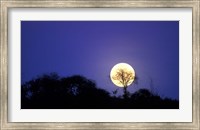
x=92 y=48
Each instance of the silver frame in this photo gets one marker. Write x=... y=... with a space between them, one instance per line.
x=7 y=4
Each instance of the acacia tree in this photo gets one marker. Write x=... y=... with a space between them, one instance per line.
x=125 y=78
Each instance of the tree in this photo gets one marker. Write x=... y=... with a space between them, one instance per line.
x=50 y=91
x=125 y=78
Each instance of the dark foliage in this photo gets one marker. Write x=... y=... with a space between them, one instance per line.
x=77 y=92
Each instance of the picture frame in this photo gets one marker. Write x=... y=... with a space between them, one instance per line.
x=6 y=5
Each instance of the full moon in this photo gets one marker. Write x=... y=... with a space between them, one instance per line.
x=122 y=75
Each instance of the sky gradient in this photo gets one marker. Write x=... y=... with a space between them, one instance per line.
x=92 y=48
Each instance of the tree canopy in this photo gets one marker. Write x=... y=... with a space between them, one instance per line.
x=77 y=92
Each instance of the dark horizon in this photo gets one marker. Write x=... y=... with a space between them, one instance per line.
x=92 y=48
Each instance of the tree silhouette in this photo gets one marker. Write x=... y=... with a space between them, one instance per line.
x=115 y=92
x=77 y=92
x=125 y=78
x=49 y=91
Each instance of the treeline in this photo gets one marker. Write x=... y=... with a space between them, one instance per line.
x=77 y=92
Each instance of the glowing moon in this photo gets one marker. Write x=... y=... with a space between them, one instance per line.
x=122 y=75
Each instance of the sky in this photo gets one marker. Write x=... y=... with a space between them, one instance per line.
x=92 y=48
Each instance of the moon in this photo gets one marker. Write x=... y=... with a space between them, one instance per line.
x=126 y=70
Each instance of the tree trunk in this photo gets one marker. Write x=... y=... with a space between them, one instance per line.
x=125 y=92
